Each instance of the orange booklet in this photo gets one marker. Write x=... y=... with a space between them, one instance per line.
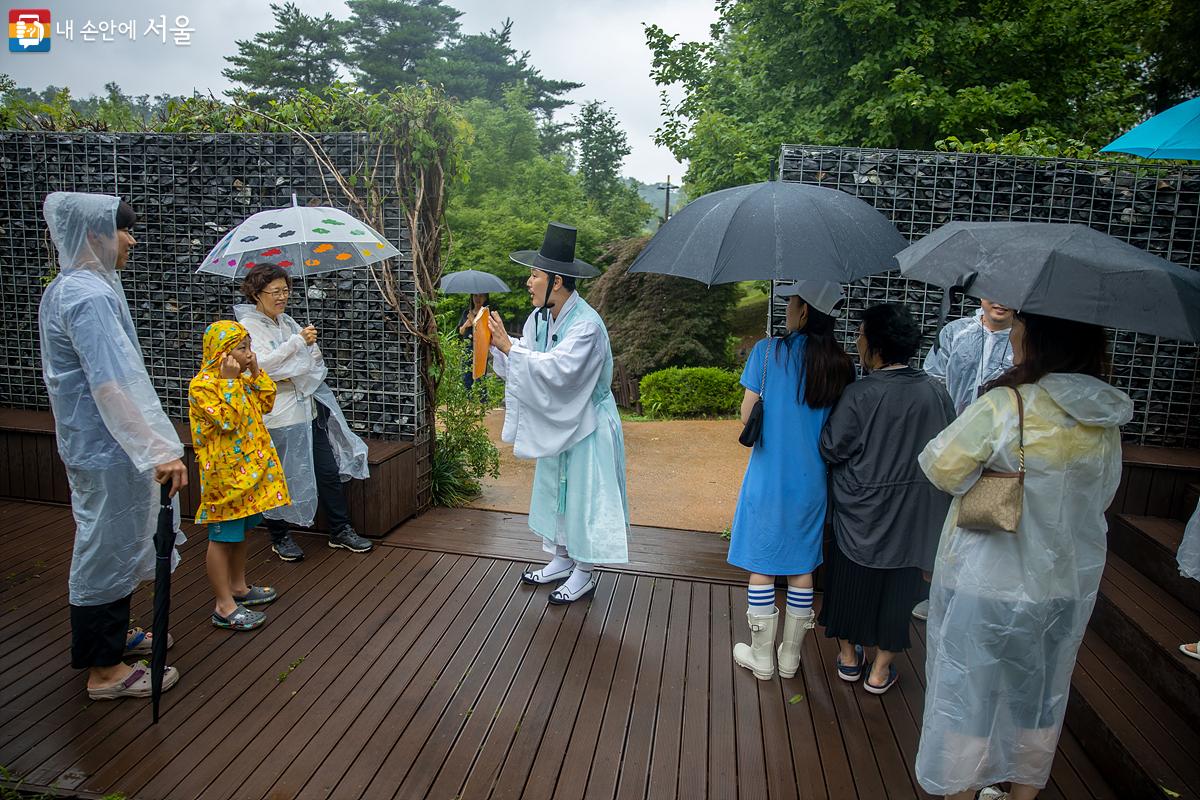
x=482 y=338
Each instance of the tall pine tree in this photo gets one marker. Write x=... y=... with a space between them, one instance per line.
x=302 y=52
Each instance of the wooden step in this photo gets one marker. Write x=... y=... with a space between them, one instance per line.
x=1146 y=626
x=1191 y=498
x=1138 y=741
x=1150 y=544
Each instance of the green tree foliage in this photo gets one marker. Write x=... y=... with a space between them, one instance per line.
x=659 y=321
x=55 y=109
x=603 y=147
x=878 y=73
x=390 y=38
x=485 y=65
x=302 y=52
x=1173 y=73
x=511 y=191
x=464 y=453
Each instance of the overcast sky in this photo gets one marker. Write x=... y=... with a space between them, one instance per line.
x=597 y=43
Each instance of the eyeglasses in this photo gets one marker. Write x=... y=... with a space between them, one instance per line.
x=278 y=294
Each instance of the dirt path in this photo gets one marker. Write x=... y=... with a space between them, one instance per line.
x=681 y=473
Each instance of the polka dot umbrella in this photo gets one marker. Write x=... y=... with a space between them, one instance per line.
x=304 y=240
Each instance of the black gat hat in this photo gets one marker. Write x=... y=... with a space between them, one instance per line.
x=557 y=254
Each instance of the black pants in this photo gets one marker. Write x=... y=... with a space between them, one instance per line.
x=330 y=494
x=98 y=634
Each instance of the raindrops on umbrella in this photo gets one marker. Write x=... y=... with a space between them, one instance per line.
x=270 y=226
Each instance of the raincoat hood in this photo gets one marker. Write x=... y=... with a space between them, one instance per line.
x=219 y=340
x=1088 y=400
x=84 y=230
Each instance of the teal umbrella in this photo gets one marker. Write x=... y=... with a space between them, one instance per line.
x=1173 y=134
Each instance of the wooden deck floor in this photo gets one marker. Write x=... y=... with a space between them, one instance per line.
x=429 y=671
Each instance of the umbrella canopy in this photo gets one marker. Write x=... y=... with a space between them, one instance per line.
x=1061 y=270
x=472 y=281
x=305 y=240
x=776 y=230
x=164 y=545
x=1175 y=133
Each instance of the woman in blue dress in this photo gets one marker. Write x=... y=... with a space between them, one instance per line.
x=780 y=517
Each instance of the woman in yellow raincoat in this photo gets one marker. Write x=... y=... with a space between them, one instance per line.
x=240 y=475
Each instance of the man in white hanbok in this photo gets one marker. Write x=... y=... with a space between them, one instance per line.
x=559 y=409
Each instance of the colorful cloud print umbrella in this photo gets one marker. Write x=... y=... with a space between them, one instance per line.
x=305 y=240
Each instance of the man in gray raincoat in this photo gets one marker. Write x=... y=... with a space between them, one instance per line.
x=113 y=436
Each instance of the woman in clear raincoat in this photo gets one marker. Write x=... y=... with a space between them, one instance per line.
x=318 y=450
x=1007 y=611
x=113 y=436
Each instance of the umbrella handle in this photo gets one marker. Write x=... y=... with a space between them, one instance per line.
x=164 y=495
x=960 y=287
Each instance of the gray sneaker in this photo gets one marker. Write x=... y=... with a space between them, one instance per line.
x=921 y=610
x=285 y=547
x=348 y=538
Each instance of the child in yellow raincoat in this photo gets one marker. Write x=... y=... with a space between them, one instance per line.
x=240 y=476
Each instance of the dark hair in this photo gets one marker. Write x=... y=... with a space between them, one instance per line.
x=827 y=369
x=568 y=281
x=126 y=216
x=260 y=276
x=891 y=332
x=1051 y=345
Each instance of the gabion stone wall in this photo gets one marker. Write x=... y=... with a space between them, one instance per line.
x=188 y=190
x=1153 y=207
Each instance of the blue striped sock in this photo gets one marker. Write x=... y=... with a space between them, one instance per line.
x=761 y=599
x=799 y=601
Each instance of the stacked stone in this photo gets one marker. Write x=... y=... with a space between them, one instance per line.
x=188 y=190
x=1153 y=207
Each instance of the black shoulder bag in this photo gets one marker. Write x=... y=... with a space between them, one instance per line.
x=752 y=430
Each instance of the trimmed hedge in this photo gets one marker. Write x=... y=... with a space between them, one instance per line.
x=691 y=392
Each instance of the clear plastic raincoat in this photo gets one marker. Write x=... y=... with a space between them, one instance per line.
x=969 y=356
x=299 y=371
x=1007 y=611
x=111 y=429
x=559 y=409
x=1189 y=549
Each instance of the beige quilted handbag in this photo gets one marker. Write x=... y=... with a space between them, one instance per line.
x=994 y=502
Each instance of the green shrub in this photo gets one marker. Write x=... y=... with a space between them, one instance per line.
x=691 y=392
x=463 y=453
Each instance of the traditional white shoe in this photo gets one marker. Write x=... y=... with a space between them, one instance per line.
x=759 y=655
x=562 y=597
x=539 y=577
x=794 y=629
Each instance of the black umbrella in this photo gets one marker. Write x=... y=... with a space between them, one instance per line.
x=472 y=281
x=1061 y=270
x=776 y=230
x=164 y=546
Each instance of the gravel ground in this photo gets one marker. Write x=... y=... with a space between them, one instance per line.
x=681 y=473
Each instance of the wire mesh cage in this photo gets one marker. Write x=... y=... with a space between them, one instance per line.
x=188 y=190
x=1150 y=206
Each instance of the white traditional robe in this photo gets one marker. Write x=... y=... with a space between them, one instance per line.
x=559 y=409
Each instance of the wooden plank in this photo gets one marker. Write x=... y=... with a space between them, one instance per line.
x=722 y=741
x=585 y=687
x=668 y=725
x=747 y=723
x=557 y=694
x=693 y=759
x=1137 y=490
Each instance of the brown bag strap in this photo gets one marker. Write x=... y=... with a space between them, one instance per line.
x=1020 y=428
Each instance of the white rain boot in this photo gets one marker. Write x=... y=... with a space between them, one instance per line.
x=759 y=655
x=794 y=628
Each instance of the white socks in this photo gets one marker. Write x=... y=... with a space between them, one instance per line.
x=579 y=578
x=761 y=599
x=558 y=564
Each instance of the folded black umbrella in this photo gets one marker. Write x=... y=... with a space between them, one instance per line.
x=778 y=230
x=1061 y=270
x=472 y=281
x=164 y=546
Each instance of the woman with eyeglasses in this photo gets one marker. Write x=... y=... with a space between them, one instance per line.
x=318 y=450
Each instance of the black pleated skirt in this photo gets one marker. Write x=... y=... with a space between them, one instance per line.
x=870 y=607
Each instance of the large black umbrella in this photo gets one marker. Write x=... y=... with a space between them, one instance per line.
x=164 y=547
x=1061 y=270
x=776 y=230
x=472 y=281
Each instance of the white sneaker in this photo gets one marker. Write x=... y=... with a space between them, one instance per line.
x=921 y=610
x=992 y=793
